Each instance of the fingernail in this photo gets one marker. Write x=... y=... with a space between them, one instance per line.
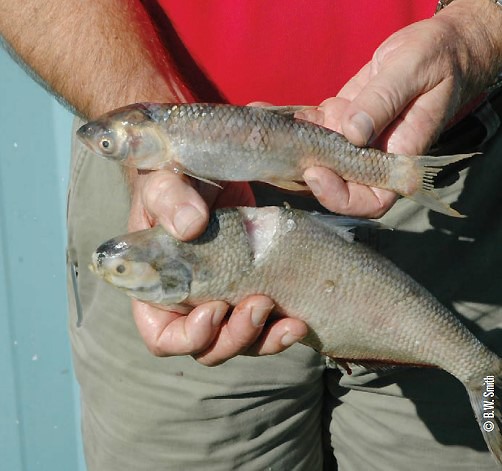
x=313 y=115
x=289 y=339
x=318 y=117
x=301 y=115
x=219 y=314
x=186 y=216
x=260 y=312
x=364 y=124
x=313 y=184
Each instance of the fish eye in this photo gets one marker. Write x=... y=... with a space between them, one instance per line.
x=120 y=267
x=106 y=144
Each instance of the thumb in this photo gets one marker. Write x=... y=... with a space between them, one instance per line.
x=168 y=198
x=377 y=104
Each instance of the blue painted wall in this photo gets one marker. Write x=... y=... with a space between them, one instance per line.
x=39 y=425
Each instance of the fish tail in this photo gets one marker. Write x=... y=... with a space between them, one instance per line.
x=428 y=167
x=485 y=393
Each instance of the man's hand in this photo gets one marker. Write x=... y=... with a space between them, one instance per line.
x=401 y=100
x=206 y=333
x=127 y=64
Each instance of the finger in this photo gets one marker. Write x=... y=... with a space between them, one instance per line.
x=139 y=219
x=259 y=103
x=420 y=122
x=278 y=336
x=169 y=199
x=313 y=115
x=378 y=103
x=167 y=333
x=239 y=332
x=352 y=199
x=354 y=86
x=333 y=109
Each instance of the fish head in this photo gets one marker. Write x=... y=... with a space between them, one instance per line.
x=143 y=266
x=128 y=135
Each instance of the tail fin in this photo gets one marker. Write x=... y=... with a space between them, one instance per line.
x=429 y=167
x=485 y=396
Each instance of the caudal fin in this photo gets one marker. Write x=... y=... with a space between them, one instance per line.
x=485 y=396
x=429 y=167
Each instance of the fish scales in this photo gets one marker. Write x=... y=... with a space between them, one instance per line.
x=241 y=143
x=358 y=306
x=252 y=136
x=370 y=293
x=368 y=296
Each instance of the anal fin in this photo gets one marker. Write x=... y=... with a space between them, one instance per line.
x=428 y=198
x=375 y=365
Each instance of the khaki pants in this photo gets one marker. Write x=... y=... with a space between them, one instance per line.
x=145 y=413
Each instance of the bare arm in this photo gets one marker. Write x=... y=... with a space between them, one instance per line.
x=96 y=56
x=99 y=55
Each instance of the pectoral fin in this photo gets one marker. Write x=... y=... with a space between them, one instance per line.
x=205 y=180
x=175 y=167
x=287 y=184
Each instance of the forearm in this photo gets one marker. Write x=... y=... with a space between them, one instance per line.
x=95 y=55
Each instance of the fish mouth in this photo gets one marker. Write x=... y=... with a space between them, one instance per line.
x=89 y=134
x=95 y=266
x=87 y=131
x=99 y=272
x=86 y=135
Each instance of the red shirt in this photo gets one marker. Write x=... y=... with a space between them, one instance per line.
x=286 y=51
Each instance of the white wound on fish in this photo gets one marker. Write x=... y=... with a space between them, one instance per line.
x=329 y=286
x=290 y=225
x=261 y=226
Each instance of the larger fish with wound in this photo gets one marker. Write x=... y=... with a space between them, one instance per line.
x=359 y=307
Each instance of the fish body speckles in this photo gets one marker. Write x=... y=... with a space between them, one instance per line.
x=241 y=143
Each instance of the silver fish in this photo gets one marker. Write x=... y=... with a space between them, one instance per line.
x=241 y=143
x=359 y=307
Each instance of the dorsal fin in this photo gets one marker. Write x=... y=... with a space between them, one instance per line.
x=344 y=225
x=288 y=111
